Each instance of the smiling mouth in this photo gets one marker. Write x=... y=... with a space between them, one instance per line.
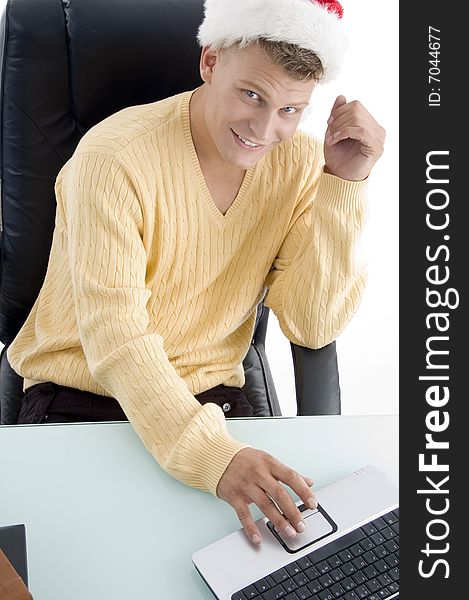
x=247 y=142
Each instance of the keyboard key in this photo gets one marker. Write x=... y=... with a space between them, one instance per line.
x=390 y=518
x=337 y=574
x=348 y=583
x=379 y=523
x=395 y=527
x=289 y=585
x=334 y=561
x=380 y=551
x=345 y=555
x=326 y=580
x=362 y=591
x=394 y=574
x=384 y=593
x=304 y=563
x=280 y=575
x=238 y=596
x=370 y=557
x=303 y=593
x=381 y=566
x=369 y=529
x=373 y=597
x=263 y=584
x=351 y=596
x=370 y=571
x=393 y=587
x=373 y=585
x=384 y=579
x=325 y=595
x=275 y=593
x=312 y=573
x=392 y=560
x=250 y=592
x=292 y=569
x=323 y=567
x=356 y=550
x=359 y=562
x=367 y=544
x=314 y=587
x=348 y=568
x=388 y=533
x=337 y=590
x=378 y=538
x=391 y=546
x=300 y=579
x=291 y=596
x=396 y=513
x=359 y=577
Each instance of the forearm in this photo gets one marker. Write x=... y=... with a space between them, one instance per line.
x=317 y=293
x=189 y=441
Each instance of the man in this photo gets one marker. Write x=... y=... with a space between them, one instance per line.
x=174 y=219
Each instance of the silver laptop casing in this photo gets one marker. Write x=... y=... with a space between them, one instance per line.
x=350 y=502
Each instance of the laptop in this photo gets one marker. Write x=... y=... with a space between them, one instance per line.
x=349 y=549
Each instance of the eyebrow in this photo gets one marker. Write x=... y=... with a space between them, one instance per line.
x=254 y=87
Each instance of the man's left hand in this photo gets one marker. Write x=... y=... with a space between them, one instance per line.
x=354 y=140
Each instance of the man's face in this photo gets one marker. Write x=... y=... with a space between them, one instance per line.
x=248 y=96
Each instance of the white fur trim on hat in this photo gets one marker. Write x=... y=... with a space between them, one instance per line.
x=301 y=22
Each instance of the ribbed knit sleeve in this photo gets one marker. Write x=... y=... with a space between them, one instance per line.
x=317 y=279
x=108 y=265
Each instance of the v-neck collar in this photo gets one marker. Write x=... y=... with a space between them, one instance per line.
x=221 y=219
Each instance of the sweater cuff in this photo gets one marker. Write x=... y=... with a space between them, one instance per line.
x=341 y=193
x=219 y=451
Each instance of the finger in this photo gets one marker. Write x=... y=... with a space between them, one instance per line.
x=246 y=520
x=309 y=481
x=283 y=498
x=354 y=133
x=297 y=483
x=272 y=512
x=286 y=507
x=339 y=101
x=354 y=107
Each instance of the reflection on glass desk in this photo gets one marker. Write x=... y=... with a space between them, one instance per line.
x=103 y=520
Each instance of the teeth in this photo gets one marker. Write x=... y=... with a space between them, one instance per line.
x=248 y=142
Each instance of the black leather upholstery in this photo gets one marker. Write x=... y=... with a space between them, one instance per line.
x=66 y=65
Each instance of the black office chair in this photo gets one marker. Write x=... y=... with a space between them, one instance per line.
x=65 y=66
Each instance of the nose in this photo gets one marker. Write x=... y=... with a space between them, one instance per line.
x=263 y=126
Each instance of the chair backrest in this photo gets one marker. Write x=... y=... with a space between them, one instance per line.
x=65 y=66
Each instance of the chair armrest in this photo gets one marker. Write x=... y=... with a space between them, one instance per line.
x=11 y=391
x=316 y=380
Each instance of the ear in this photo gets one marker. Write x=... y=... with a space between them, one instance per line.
x=208 y=59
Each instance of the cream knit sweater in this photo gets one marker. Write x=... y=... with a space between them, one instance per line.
x=150 y=292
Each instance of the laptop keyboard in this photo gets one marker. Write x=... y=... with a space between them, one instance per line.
x=361 y=564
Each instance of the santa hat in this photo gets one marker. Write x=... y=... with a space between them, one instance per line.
x=311 y=24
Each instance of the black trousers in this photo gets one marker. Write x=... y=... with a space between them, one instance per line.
x=53 y=403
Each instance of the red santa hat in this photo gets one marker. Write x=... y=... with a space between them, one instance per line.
x=312 y=24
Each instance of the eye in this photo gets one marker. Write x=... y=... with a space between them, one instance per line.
x=292 y=112
x=250 y=92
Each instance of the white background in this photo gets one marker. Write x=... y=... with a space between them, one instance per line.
x=368 y=348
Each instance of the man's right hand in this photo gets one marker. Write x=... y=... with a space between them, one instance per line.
x=255 y=476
